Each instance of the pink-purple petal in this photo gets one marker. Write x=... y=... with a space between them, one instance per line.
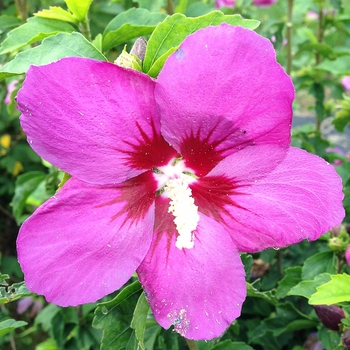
x=347 y=255
x=300 y=199
x=81 y=245
x=224 y=88
x=93 y=119
x=200 y=290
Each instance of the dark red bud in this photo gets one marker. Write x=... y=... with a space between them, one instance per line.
x=346 y=339
x=347 y=228
x=330 y=315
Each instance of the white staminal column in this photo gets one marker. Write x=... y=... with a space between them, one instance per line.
x=183 y=208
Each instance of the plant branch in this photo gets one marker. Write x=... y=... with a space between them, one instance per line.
x=170 y=7
x=21 y=6
x=192 y=345
x=289 y=25
x=84 y=28
x=320 y=32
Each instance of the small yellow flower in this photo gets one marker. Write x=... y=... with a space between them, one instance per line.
x=5 y=142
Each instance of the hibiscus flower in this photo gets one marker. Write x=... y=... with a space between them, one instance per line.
x=171 y=177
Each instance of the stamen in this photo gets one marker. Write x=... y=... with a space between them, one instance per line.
x=183 y=208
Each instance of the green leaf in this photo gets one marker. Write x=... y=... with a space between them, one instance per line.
x=128 y=25
x=14 y=292
x=291 y=278
x=46 y=316
x=48 y=344
x=182 y=6
x=230 y=345
x=340 y=66
x=158 y=65
x=151 y=334
x=247 y=261
x=342 y=116
x=36 y=29
x=79 y=8
x=321 y=48
x=333 y=292
x=287 y=318
x=59 y=13
x=307 y=288
x=26 y=184
x=3 y=278
x=132 y=343
x=138 y=322
x=319 y=263
x=9 y=325
x=152 y=5
x=174 y=29
x=329 y=340
x=52 y=49
x=97 y=42
x=7 y=22
x=268 y=296
x=115 y=317
x=198 y=8
x=298 y=325
x=318 y=90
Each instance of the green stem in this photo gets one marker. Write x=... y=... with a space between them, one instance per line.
x=84 y=28
x=289 y=25
x=279 y=262
x=319 y=31
x=21 y=6
x=317 y=55
x=341 y=261
x=170 y=7
x=192 y=345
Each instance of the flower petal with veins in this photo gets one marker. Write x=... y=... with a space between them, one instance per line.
x=182 y=285
x=93 y=119
x=222 y=92
x=81 y=244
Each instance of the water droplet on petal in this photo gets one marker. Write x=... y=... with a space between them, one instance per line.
x=177 y=321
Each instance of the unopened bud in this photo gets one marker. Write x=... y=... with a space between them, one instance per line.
x=347 y=228
x=330 y=316
x=347 y=255
x=336 y=244
x=336 y=230
x=128 y=60
x=139 y=48
x=346 y=339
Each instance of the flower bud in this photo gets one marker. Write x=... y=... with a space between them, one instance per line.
x=259 y=268
x=346 y=83
x=139 y=48
x=347 y=255
x=329 y=315
x=336 y=230
x=347 y=228
x=226 y=3
x=346 y=339
x=263 y=3
x=128 y=60
x=336 y=244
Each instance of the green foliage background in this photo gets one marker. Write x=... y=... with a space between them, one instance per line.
x=282 y=284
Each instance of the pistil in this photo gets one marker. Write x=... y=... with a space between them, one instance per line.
x=183 y=208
